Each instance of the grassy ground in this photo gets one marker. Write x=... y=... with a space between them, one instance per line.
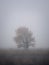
x=24 y=57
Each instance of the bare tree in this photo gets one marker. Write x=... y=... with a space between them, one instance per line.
x=24 y=38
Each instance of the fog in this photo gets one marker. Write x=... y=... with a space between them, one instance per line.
x=30 y=13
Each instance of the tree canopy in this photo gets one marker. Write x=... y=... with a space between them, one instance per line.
x=24 y=38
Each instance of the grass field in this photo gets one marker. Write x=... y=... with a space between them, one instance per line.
x=24 y=57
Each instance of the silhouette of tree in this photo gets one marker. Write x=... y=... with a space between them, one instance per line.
x=24 y=38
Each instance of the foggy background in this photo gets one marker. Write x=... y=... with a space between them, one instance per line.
x=30 y=13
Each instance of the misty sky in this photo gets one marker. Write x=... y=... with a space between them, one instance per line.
x=30 y=13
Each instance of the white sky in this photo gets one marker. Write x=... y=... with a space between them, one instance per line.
x=30 y=13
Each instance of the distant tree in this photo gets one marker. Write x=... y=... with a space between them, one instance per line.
x=24 y=38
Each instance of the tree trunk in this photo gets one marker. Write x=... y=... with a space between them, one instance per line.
x=26 y=46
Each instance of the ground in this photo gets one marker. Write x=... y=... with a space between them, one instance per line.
x=24 y=57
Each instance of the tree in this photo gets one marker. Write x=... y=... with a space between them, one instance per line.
x=24 y=38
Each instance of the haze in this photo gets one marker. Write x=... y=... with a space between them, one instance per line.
x=30 y=13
